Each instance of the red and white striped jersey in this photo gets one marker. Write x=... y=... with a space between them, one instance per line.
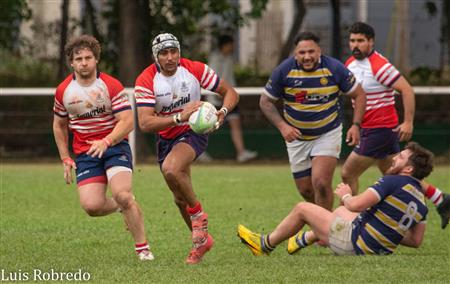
x=90 y=109
x=168 y=95
x=376 y=76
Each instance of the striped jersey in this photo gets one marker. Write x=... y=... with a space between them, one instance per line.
x=168 y=95
x=90 y=109
x=379 y=229
x=311 y=98
x=376 y=76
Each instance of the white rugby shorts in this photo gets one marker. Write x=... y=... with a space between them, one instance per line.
x=301 y=152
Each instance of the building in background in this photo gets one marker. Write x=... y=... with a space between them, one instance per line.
x=406 y=32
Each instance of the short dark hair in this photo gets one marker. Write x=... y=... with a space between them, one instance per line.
x=223 y=40
x=82 y=42
x=421 y=159
x=362 y=28
x=307 y=36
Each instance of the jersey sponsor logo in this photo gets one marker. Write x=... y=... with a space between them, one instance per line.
x=83 y=173
x=351 y=78
x=176 y=104
x=269 y=84
x=298 y=83
x=93 y=112
x=75 y=101
x=300 y=97
x=123 y=158
x=323 y=81
x=163 y=94
x=124 y=97
x=184 y=87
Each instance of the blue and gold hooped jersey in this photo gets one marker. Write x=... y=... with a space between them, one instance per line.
x=379 y=229
x=311 y=101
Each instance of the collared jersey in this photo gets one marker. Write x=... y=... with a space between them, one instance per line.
x=376 y=76
x=168 y=95
x=90 y=109
x=379 y=229
x=311 y=98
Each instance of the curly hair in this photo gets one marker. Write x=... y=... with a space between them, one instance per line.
x=421 y=159
x=82 y=42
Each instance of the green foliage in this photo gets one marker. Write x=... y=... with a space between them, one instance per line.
x=425 y=76
x=43 y=227
x=24 y=71
x=250 y=77
x=12 y=13
x=183 y=18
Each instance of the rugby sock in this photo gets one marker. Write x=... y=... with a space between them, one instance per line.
x=265 y=243
x=434 y=195
x=195 y=211
x=302 y=240
x=141 y=247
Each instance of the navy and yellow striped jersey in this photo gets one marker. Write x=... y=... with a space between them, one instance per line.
x=379 y=229
x=310 y=98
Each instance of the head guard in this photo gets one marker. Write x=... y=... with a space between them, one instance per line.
x=163 y=41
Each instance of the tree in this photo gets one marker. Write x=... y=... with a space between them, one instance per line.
x=336 y=29
x=299 y=15
x=12 y=13
x=63 y=39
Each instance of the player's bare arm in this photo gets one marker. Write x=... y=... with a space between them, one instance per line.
x=230 y=99
x=359 y=96
x=270 y=111
x=357 y=203
x=124 y=126
x=149 y=121
x=414 y=236
x=405 y=129
x=61 y=133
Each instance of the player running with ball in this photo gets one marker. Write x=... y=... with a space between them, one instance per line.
x=167 y=93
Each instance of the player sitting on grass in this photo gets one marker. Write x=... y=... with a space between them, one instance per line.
x=389 y=213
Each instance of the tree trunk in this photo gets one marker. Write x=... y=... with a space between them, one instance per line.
x=90 y=21
x=63 y=39
x=134 y=50
x=336 y=30
x=445 y=44
x=134 y=46
x=300 y=11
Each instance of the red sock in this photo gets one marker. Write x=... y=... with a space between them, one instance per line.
x=194 y=210
x=434 y=195
x=141 y=247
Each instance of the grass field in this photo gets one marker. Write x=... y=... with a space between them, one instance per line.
x=43 y=227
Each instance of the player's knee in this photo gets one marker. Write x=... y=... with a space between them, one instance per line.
x=346 y=175
x=124 y=199
x=170 y=173
x=93 y=209
x=322 y=187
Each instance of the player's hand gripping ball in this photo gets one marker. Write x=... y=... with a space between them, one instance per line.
x=204 y=120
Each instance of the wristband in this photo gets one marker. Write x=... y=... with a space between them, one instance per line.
x=68 y=161
x=345 y=196
x=357 y=124
x=107 y=141
x=224 y=110
x=177 y=118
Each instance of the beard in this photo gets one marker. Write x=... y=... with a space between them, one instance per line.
x=86 y=74
x=315 y=64
x=358 y=54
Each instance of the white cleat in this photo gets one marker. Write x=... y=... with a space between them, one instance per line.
x=146 y=255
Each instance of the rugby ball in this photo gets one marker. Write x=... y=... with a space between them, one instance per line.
x=204 y=119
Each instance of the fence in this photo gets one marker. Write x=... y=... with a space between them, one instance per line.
x=23 y=122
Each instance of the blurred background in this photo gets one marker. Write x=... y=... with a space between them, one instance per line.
x=413 y=34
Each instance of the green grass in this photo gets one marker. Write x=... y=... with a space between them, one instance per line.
x=43 y=227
